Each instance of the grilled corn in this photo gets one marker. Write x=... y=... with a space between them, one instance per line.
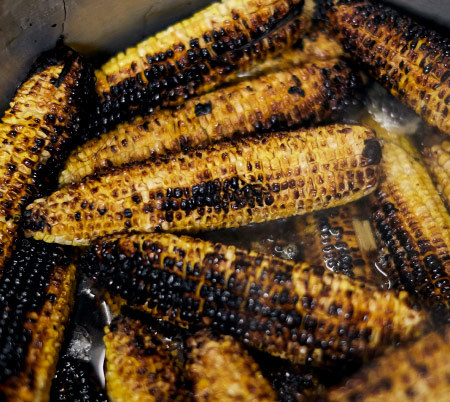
x=195 y=55
x=35 y=132
x=413 y=63
x=226 y=185
x=418 y=372
x=75 y=382
x=298 y=96
x=341 y=240
x=415 y=226
x=141 y=364
x=36 y=295
x=286 y=309
x=437 y=159
x=222 y=370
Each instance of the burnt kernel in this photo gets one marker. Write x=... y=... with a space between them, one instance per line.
x=275 y=188
x=77 y=216
x=50 y=118
x=268 y=199
x=177 y=192
x=372 y=151
x=127 y=213
x=203 y=109
x=194 y=43
x=169 y=216
x=445 y=76
x=296 y=91
x=427 y=68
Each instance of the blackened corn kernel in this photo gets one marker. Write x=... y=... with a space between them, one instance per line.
x=224 y=185
x=412 y=62
x=286 y=309
x=143 y=80
x=416 y=372
x=36 y=295
x=221 y=370
x=35 y=133
x=224 y=114
x=414 y=224
x=75 y=382
x=141 y=359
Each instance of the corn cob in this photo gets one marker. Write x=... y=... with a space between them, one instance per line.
x=313 y=47
x=35 y=131
x=409 y=60
x=226 y=185
x=141 y=364
x=341 y=240
x=415 y=226
x=286 y=309
x=36 y=295
x=437 y=159
x=74 y=381
x=222 y=370
x=196 y=55
x=417 y=372
x=298 y=96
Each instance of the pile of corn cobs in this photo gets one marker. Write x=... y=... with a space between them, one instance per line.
x=248 y=112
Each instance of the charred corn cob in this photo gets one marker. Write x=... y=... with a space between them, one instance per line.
x=196 y=55
x=226 y=185
x=75 y=382
x=341 y=240
x=298 y=96
x=417 y=372
x=36 y=295
x=286 y=309
x=35 y=131
x=415 y=226
x=142 y=365
x=437 y=159
x=222 y=370
x=313 y=47
x=413 y=63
